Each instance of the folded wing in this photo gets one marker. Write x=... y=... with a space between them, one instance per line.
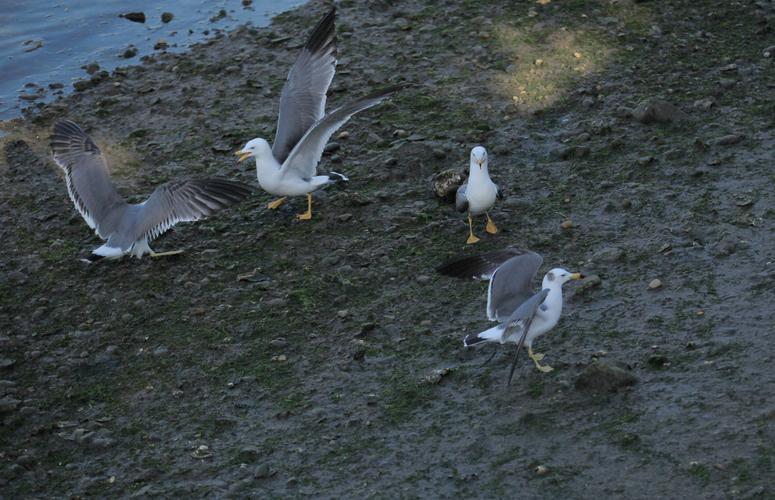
x=520 y=320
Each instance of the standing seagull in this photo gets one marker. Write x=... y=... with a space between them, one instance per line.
x=478 y=195
x=288 y=168
x=128 y=228
x=522 y=314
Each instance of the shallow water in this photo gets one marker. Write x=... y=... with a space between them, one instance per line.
x=44 y=43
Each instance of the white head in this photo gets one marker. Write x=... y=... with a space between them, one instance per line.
x=255 y=147
x=479 y=157
x=558 y=277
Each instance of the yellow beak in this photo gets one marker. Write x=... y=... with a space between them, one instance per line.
x=481 y=163
x=576 y=276
x=243 y=155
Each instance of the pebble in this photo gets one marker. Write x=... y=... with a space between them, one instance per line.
x=541 y=470
x=262 y=471
x=8 y=404
x=655 y=283
x=343 y=135
x=137 y=17
x=728 y=140
x=166 y=17
x=566 y=224
x=130 y=52
x=769 y=51
x=6 y=363
x=423 y=279
x=162 y=44
x=657 y=111
x=602 y=377
x=331 y=147
x=343 y=313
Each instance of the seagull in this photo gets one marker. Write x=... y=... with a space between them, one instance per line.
x=289 y=166
x=522 y=314
x=478 y=195
x=127 y=228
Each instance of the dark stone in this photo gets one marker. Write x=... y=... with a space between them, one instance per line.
x=136 y=17
x=658 y=111
x=166 y=17
x=601 y=377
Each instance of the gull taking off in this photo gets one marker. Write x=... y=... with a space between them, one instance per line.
x=522 y=314
x=127 y=228
x=478 y=195
x=289 y=167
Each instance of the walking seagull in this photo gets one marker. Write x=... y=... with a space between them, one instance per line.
x=478 y=195
x=289 y=167
x=522 y=314
x=127 y=228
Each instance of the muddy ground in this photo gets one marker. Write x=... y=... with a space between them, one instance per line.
x=324 y=358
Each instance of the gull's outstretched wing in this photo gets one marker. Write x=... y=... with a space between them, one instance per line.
x=177 y=201
x=303 y=99
x=461 y=202
x=87 y=177
x=304 y=158
x=510 y=272
x=520 y=321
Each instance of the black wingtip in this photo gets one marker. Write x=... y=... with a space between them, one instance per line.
x=470 y=340
x=324 y=32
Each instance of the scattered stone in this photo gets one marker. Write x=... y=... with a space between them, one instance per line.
x=726 y=246
x=645 y=161
x=704 y=104
x=343 y=313
x=728 y=140
x=166 y=17
x=202 y=451
x=130 y=52
x=331 y=147
x=608 y=254
x=602 y=377
x=92 y=68
x=161 y=44
x=567 y=224
x=423 y=279
x=541 y=470
x=727 y=83
x=769 y=51
x=6 y=363
x=436 y=375
x=445 y=184
x=8 y=404
x=658 y=111
x=248 y=454
x=343 y=135
x=81 y=85
x=135 y=17
x=658 y=361
x=262 y=471
x=344 y=217
x=586 y=284
x=655 y=283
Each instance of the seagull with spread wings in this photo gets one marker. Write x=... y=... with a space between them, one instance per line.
x=128 y=228
x=289 y=166
x=522 y=314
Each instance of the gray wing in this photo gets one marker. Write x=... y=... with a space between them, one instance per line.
x=510 y=272
x=304 y=158
x=461 y=202
x=520 y=320
x=177 y=201
x=303 y=98
x=87 y=177
x=510 y=284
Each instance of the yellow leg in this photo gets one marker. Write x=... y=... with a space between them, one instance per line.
x=166 y=254
x=308 y=214
x=471 y=238
x=491 y=227
x=273 y=205
x=536 y=357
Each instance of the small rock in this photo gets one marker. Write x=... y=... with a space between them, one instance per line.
x=136 y=17
x=161 y=44
x=589 y=282
x=436 y=375
x=769 y=51
x=728 y=140
x=704 y=104
x=445 y=184
x=541 y=470
x=81 y=85
x=130 y=52
x=92 y=68
x=8 y=404
x=657 y=111
x=400 y=133
x=602 y=377
x=343 y=313
x=331 y=147
x=344 y=217
x=727 y=83
x=658 y=361
x=6 y=363
x=645 y=161
x=655 y=283
x=343 y=135
x=166 y=17
x=608 y=254
x=566 y=224
x=248 y=454
x=423 y=279
x=30 y=45
x=262 y=471
x=726 y=246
